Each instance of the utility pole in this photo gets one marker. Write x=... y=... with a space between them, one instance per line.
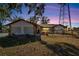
x=69 y=16
x=64 y=7
x=62 y=13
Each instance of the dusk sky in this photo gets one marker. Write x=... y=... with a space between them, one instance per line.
x=52 y=12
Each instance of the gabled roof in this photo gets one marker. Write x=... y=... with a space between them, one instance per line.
x=60 y=25
x=41 y=25
x=22 y=20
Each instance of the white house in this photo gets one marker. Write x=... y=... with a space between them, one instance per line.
x=59 y=29
x=53 y=28
x=21 y=27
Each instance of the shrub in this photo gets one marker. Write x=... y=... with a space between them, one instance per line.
x=17 y=40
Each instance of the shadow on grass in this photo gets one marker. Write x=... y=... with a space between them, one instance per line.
x=63 y=49
x=10 y=41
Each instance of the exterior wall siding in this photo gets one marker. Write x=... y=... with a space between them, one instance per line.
x=59 y=29
x=22 y=27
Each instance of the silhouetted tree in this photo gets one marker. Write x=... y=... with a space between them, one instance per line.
x=6 y=10
x=3 y=14
x=44 y=20
x=34 y=19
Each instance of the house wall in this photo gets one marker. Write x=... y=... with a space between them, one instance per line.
x=21 y=27
x=59 y=29
x=54 y=30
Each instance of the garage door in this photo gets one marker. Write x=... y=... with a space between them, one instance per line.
x=16 y=30
x=28 y=30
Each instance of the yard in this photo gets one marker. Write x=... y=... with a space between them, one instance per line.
x=63 y=45
x=54 y=38
x=51 y=45
x=29 y=49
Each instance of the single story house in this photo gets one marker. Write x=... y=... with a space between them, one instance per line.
x=22 y=27
x=59 y=29
x=53 y=28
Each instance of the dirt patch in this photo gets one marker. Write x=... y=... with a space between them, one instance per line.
x=61 y=38
x=30 y=49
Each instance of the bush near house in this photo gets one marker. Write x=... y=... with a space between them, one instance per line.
x=17 y=40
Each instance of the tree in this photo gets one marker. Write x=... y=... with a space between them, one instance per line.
x=44 y=20
x=34 y=19
x=6 y=10
x=3 y=14
x=37 y=8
